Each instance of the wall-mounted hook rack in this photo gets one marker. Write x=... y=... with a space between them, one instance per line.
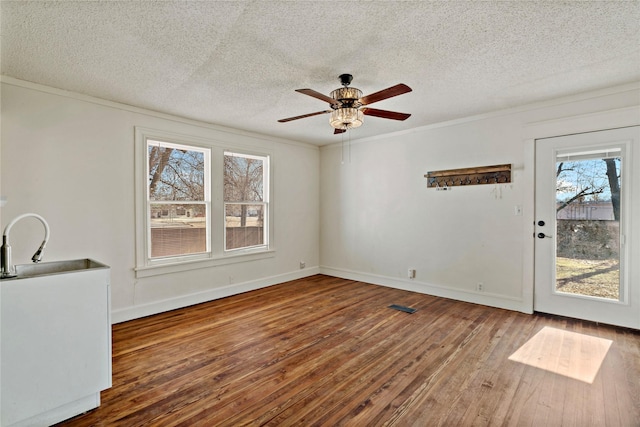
x=497 y=174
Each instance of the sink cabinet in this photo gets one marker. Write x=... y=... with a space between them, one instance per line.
x=56 y=345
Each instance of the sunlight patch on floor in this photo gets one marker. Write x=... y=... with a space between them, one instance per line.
x=570 y=354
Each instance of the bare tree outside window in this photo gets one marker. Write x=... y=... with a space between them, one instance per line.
x=177 y=199
x=175 y=174
x=589 y=180
x=588 y=190
x=245 y=200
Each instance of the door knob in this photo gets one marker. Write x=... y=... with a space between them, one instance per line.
x=542 y=236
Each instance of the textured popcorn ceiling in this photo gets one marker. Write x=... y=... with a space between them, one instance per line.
x=237 y=63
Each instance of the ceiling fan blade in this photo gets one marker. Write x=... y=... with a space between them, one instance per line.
x=303 y=116
x=385 y=114
x=318 y=95
x=337 y=131
x=389 y=92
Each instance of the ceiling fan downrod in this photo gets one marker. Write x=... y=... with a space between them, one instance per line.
x=345 y=79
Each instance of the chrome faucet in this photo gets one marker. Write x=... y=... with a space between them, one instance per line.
x=8 y=269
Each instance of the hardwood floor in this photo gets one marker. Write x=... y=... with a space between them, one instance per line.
x=328 y=351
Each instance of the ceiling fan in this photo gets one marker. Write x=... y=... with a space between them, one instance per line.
x=347 y=105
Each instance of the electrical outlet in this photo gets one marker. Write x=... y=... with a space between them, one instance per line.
x=480 y=287
x=302 y=265
x=412 y=273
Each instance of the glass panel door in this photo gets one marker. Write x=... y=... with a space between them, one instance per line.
x=586 y=189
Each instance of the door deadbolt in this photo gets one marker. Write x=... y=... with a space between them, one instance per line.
x=541 y=223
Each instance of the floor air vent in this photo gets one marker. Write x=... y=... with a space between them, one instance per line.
x=403 y=308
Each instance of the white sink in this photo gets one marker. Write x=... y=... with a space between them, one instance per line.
x=24 y=271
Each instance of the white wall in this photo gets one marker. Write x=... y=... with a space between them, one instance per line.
x=70 y=158
x=378 y=219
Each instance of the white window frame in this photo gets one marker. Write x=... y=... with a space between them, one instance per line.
x=266 y=172
x=206 y=202
x=216 y=255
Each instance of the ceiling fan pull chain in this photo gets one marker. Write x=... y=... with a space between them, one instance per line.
x=349 y=145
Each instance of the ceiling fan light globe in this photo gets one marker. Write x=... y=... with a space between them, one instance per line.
x=346 y=118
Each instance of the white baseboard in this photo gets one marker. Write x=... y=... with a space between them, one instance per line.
x=483 y=298
x=143 y=310
x=61 y=413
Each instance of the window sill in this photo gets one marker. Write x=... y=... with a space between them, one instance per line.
x=156 y=270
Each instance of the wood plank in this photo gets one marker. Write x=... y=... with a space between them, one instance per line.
x=469 y=171
x=329 y=351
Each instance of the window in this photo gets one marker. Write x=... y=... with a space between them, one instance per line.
x=199 y=203
x=178 y=204
x=245 y=200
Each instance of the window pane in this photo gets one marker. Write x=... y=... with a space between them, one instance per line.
x=244 y=225
x=588 y=225
x=175 y=173
x=178 y=229
x=245 y=184
x=243 y=178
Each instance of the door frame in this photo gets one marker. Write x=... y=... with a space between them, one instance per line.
x=583 y=123
x=626 y=311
